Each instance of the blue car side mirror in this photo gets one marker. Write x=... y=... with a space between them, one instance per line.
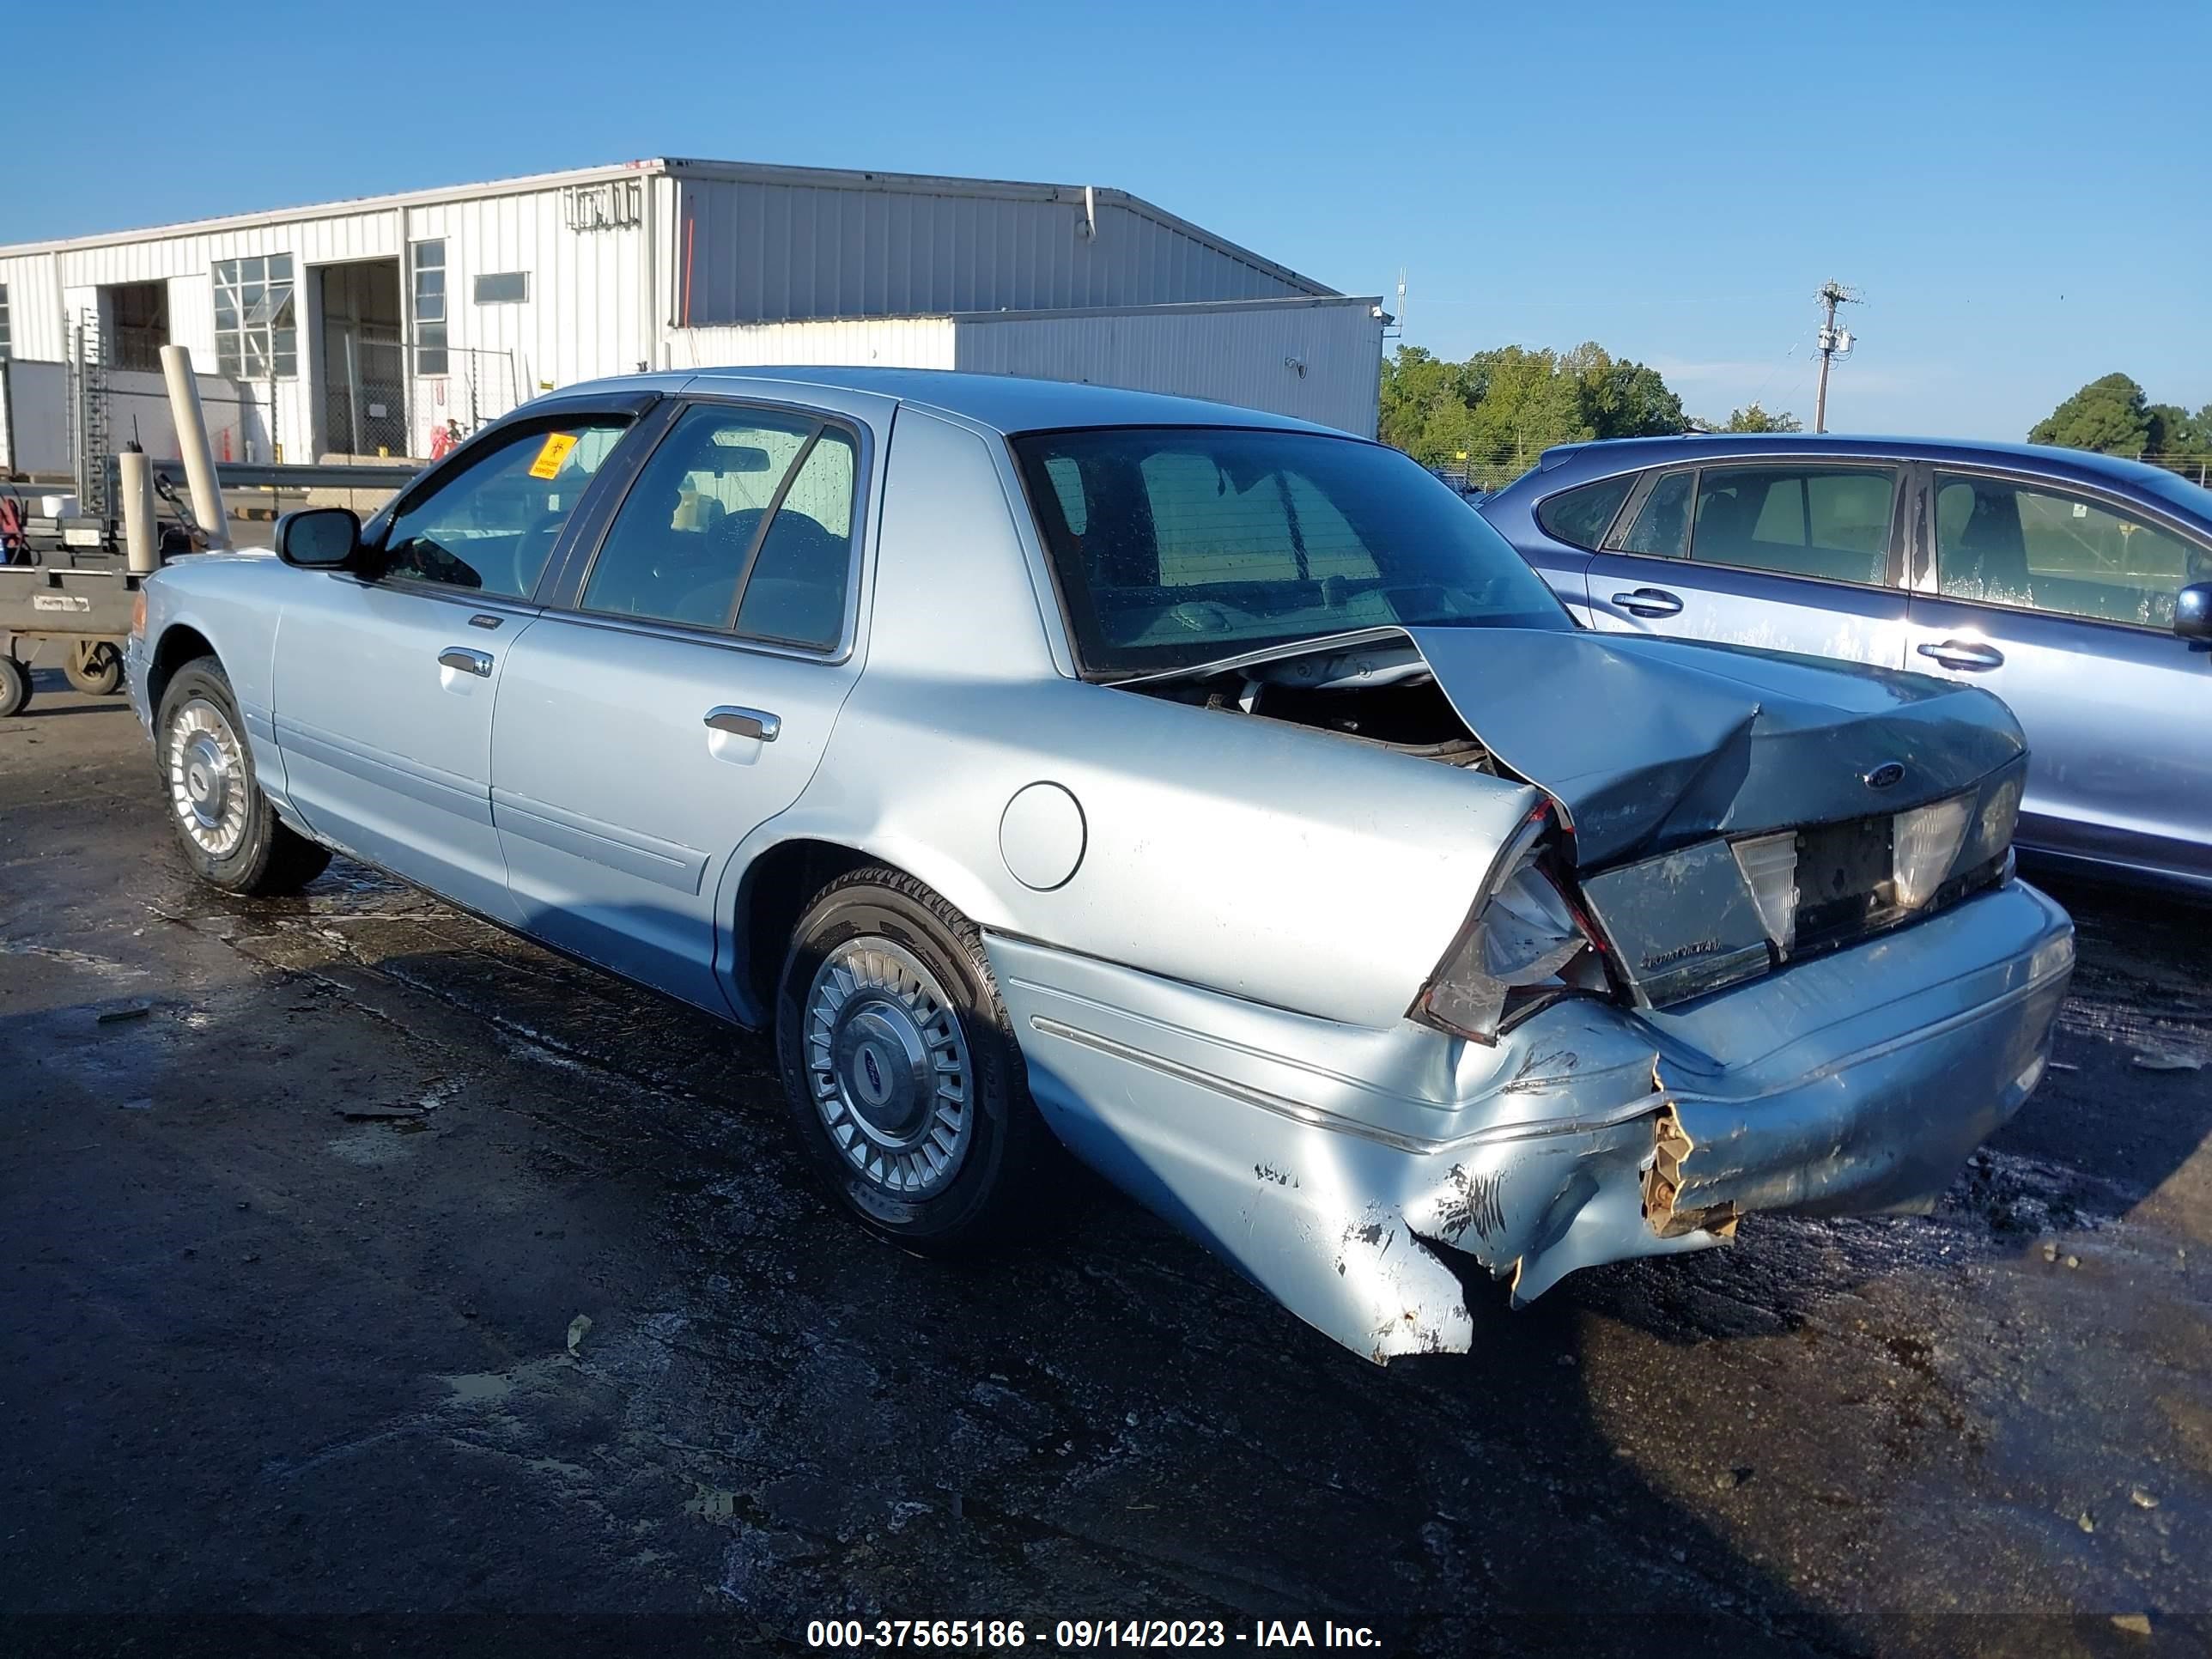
x=2192 y=612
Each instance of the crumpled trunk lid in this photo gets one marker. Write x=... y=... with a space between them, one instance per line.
x=1648 y=744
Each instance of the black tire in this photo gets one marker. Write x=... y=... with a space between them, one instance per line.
x=99 y=673
x=995 y=1170
x=256 y=853
x=15 y=687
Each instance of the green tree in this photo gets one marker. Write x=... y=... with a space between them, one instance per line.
x=1755 y=419
x=2108 y=416
x=1494 y=414
x=2175 y=431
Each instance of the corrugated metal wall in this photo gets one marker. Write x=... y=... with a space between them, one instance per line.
x=35 y=307
x=582 y=318
x=885 y=341
x=740 y=246
x=766 y=252
x=1318 y=360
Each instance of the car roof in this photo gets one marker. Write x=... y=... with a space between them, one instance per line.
x=1003 y=403
x=1602 y=458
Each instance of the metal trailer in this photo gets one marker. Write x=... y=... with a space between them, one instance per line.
x=82 y=605
x=86 y=613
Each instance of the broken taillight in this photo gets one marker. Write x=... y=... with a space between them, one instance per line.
x=1521 y=945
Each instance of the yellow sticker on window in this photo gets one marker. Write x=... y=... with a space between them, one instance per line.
x=553 y=452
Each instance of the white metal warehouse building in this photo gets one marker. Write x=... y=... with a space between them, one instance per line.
x=367 y=325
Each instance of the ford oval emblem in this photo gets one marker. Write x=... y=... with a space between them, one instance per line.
x=1886 y=774
x=875 y=1072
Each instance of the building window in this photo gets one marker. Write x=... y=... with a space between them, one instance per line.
x=255 y=334
x=502 y=288
x=429 y=294
x=4 y=335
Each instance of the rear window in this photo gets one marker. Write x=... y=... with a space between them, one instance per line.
x=1179 y=545
x=1581 y=517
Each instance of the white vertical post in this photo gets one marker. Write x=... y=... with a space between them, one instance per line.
x=138 y=538
x=193 y=443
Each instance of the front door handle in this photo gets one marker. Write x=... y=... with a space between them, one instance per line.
x=469 y=662
x=1963 y=654
x=745 y=722
x=1650 y=602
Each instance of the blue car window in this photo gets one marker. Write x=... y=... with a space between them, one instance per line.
x=2004 y=542
x=1661 y=524
x=1829 y=522
x=1581 y=517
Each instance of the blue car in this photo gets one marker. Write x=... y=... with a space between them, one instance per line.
x=2076 y=587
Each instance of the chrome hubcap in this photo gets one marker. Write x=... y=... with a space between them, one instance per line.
x=207 y=778
x=888 y=1065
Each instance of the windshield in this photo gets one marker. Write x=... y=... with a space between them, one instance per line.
x=1178 y=546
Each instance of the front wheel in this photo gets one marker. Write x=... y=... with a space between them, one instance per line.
x=231 y=835
x=905 y=1079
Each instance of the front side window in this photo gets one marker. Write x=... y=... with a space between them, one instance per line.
x=742 y=519
x=1175 y=546
x=2045 y=550
x=492 y=527
x=1581 y=517
x=256 y=332
x=1662 y=525
x=1829 y=522
x=427 y=294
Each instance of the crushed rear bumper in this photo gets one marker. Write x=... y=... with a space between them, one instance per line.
x=1357 y=1174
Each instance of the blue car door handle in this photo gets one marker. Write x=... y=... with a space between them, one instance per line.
x=1963 y=654
x=469 y=662
x=1650 y=602
x=745 y=722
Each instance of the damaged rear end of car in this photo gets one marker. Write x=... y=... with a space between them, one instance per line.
x=1756 y=947
x=1747 y=939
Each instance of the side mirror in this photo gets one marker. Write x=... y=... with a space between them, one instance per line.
x=318 y=539
x=2192 y=612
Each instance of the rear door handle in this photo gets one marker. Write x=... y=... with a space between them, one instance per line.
x=1650 y=602
x=469 y=662
x=1963 y=654
x=745 y=722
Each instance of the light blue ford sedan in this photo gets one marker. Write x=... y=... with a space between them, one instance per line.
x=1208 y=794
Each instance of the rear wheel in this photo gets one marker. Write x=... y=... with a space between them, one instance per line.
x=230 y=834
x=94 y=666
x=905 y=1079
x=15 y=687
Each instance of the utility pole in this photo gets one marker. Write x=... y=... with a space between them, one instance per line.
x=1834 y=343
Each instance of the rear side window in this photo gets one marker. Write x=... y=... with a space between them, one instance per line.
x=1828 y=522
x=1661 y=524
x=1581 y=517
x=742 y=519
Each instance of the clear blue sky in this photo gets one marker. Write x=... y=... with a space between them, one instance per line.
x=2019 y=189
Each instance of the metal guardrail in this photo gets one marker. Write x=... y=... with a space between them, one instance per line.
x=312 y=475
x=254 y=475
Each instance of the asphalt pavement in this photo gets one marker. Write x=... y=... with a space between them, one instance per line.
x=373 y=1282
